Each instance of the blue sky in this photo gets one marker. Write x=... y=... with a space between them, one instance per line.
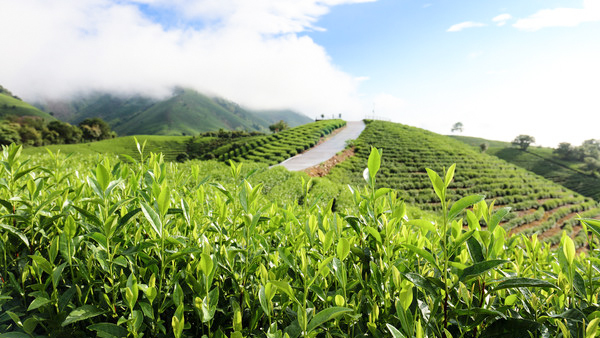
x=502 y=68
x=490 y=77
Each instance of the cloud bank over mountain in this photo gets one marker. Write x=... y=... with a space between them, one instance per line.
x=255 y=53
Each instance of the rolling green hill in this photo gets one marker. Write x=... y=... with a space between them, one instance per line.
x=477 y=141
x=186 y=112
x=542 y=161
x=585 y=184
x=538 y=205
x=12 y=105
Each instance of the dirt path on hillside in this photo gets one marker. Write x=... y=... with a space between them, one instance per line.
x=326 y=150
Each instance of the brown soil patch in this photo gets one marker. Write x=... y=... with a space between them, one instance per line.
x=556 y=229
x=324 y=168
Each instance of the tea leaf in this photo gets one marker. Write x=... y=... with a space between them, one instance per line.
x=108 y=330
x=481 y=267
x=497 y=217
x=463 y=203
x=423 y=253
x=102 y=177
x=438 y=184
x=15 y=232
x=343 y=249
x=56 y=274
x=449 y=175
x=518 y=282
x=42 y=263
x=14 y=335
x=395 y=332
x=206 y=264
x=286 y=288
x=38 y=302
x=326 y=315
x=82 y=313
x=374 y=162
x=475 y=250
x=569 y=249
x=152 y=217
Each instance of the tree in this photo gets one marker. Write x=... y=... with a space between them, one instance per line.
x=458 y=126
x=30 y=136
x=590 y=148
x=279 y=126
x=523 y=141
x=9 y=133
x=565 y=151
x=484 y=146
x=95 y=129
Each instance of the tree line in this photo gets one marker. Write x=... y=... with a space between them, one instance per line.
x=35 y=131
x=588 y=152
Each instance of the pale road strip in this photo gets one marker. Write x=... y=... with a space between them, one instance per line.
x=325 y=150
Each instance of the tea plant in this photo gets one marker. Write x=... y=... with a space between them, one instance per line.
x=148 y=248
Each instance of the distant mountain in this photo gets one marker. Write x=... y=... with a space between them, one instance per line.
x=187 y=112
x=292 y=118
x=111 y=108
x=13 y=105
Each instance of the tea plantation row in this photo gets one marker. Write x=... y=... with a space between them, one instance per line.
x=408 y=151
x=268 y=149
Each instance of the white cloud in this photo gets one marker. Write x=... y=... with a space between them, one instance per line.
x=561 y=17
x=467 y=24
x=249 y=52
x=501 y=19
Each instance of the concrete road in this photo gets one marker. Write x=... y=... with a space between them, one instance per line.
x=325 y=150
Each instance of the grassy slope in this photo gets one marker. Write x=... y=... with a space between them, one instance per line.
x=543 y=162
x=552 y=169
x=170 y=146
x=407 y=151
x=21 y=108
x=477 y=141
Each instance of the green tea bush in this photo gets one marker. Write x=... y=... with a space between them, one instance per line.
x=99 y=247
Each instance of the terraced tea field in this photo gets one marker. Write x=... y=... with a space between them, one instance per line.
x=561 y=173
x=537 y=205
x=268 y=149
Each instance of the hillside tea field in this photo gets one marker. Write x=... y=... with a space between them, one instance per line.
x=268 y=149
x=538 y=206
x=100 y=247
x=543 y=164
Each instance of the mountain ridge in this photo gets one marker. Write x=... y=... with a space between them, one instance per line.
x=186 y=112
